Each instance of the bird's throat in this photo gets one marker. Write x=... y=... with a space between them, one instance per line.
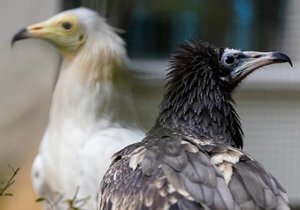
x=92 y=89
x=202 y=111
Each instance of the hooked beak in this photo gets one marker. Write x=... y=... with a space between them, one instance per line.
x=251 y=60
x=34 y=31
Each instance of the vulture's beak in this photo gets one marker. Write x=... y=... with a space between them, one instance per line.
x=39 y=30
x=251 y=60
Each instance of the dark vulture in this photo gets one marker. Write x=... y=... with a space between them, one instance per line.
x=193 y=156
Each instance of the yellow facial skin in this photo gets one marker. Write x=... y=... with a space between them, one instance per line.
x=64 y=31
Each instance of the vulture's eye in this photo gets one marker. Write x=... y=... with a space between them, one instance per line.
x=229 y=60
x=67 y=25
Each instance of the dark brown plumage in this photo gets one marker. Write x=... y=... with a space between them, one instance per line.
x=197 y=101
x=192 y=159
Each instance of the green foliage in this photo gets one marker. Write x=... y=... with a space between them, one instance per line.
x=40 y=199
x=6 y=184
x=76 y=203
x=72 y=204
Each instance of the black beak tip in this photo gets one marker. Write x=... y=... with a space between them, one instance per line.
x=281 y=57
x=22 y=34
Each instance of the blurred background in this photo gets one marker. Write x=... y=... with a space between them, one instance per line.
x=268 y=102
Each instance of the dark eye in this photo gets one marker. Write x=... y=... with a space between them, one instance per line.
x=229 y=60
x=67 y=25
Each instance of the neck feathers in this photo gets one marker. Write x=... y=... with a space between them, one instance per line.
x=93 y=85
x=101 y=59
x=194 y=104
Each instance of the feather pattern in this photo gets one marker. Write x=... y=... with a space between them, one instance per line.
x=179 y=173
x=192 y=158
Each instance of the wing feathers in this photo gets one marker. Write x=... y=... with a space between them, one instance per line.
x=250 y=182
x=182 y=175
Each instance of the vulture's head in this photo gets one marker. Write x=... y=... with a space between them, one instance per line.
x=226 y=67
x=201 y=79
x=69 y=30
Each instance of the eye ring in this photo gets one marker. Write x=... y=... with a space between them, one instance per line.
x=67 y=26
x=229 y=60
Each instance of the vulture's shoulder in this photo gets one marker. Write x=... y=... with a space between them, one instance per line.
x=166 y=172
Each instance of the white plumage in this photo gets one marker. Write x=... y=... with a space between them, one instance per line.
x=91 y=115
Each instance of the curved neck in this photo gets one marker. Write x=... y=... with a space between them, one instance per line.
x=92 y=87
x=196 y=105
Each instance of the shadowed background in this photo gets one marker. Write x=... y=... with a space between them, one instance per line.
x=268 y=102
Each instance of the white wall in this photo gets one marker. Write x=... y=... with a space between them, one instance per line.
x=26 y=79
x=26 y=74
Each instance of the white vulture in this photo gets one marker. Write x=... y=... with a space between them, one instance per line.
x=91 y=115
